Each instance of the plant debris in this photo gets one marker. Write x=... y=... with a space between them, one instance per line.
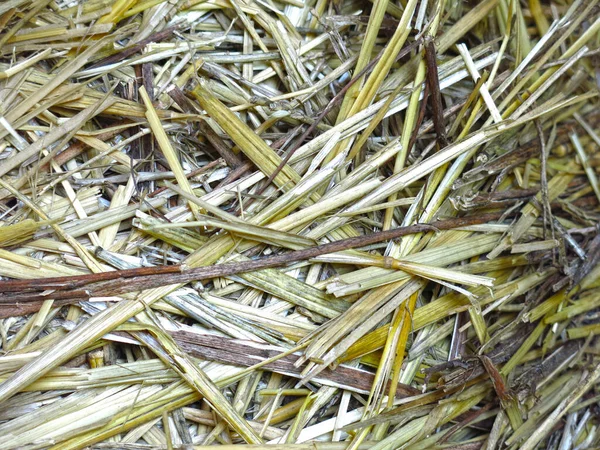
x=299 y=224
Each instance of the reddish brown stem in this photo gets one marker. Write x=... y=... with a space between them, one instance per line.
x=122 y=281
x=433 y=82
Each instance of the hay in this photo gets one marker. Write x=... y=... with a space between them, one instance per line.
x=299 y=224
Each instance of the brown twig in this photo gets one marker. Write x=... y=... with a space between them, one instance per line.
x=122 y=281
x=433 y=82
x=232 y=351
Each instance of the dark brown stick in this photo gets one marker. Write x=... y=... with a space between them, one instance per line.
x=433 y=82
x=232 y=351
x=122 y=281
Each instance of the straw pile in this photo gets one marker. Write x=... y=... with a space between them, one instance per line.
x=299 y=224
